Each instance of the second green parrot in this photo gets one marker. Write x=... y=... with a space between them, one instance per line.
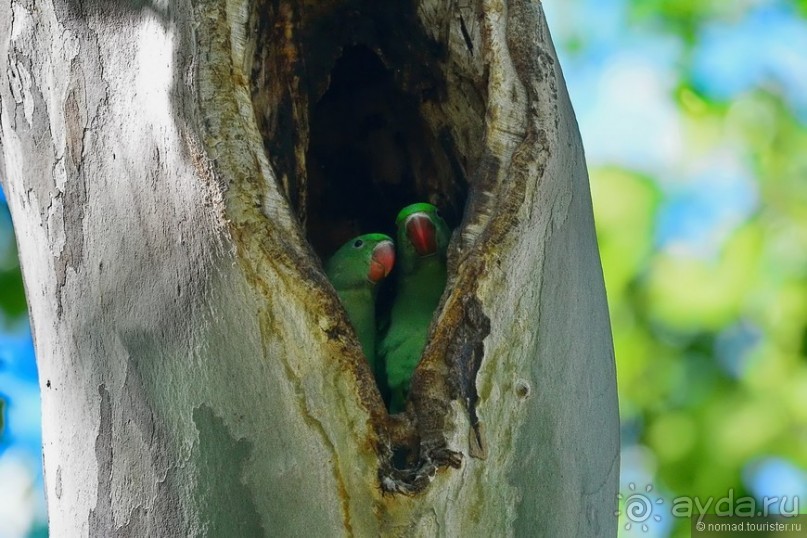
x=422 y=241
x=354 y=270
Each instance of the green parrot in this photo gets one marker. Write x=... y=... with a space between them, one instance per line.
x=422 y=244
x=354 y=270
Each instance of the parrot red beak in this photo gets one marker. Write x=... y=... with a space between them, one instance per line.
x=422 y=234
x=381 y=262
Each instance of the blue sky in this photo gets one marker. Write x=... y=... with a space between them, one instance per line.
x=20 y=389
x=22 y=501
x=764 y=49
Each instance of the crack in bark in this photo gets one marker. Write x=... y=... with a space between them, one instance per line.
x=465 y=353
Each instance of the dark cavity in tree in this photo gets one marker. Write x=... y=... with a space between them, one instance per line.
x=370 y=154
x=351 y=100
x=346 y=95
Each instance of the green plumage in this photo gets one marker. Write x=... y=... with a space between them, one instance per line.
x=421 y=281
x=351 y=271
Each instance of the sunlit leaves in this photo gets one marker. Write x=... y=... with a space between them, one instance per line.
x=12 y=296
x=672 y=436
x=689 y=293
x=686 y=17
x=625 y=214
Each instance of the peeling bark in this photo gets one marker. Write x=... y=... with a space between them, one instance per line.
x=175 y=171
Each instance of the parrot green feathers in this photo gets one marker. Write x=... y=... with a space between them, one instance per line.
x=354 y=270
x=422 y=243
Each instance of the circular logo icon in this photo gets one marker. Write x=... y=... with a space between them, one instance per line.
x=638 y=506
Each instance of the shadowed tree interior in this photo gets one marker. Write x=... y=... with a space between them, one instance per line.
x=350 y=98
x=370 y=154
x=348 y=138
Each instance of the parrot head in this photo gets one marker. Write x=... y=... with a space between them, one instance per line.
x=421 y=226
x=363 y=259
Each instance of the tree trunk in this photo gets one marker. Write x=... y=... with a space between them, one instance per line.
x=175 y=170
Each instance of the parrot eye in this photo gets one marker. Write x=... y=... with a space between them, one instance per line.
x=358 y=243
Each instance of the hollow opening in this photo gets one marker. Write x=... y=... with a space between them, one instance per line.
x=371 y=153
x=351 y=100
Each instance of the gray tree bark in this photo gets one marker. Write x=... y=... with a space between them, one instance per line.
x=198 y=374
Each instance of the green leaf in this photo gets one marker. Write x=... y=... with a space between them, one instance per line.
x=12 y=293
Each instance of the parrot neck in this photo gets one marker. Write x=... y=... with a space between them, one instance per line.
x=357 y=288
x=425 y=277
x=359 y=302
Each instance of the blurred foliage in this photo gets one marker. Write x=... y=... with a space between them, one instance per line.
x=12 y=299
x=685 y=17
x=711 y=349
x=12 y=294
